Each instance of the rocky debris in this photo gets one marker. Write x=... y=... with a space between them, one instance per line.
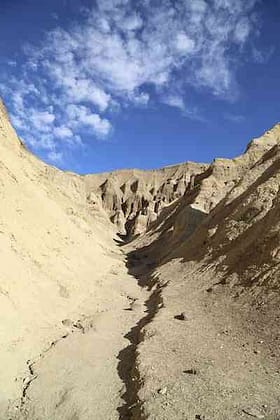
x=82 y=325
x=191 y=371
x=162 y=391
x=182 y=316
x=254 y=412
x=26 y=383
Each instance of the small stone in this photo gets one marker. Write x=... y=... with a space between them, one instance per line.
x=181 y=317
x=27 y=380
x=254 y=412
x=78 y=325
x=67 y=322
x=162 y=391
x=190 y=371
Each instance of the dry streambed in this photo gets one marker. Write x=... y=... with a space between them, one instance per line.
x=90 y=371
x=163 y=353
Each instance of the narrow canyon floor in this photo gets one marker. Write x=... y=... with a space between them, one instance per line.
x=192 y=358
x=87 y=372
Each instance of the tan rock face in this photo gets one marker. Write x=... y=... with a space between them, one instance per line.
x=134 y=199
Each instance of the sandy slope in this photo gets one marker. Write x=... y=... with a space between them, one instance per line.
x=63 y=290
x=223 y=358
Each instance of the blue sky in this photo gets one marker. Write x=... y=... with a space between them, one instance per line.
x=100 y=85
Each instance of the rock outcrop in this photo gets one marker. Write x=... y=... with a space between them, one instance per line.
x=134 y=199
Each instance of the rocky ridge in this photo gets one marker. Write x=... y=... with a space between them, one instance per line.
x=133 y=199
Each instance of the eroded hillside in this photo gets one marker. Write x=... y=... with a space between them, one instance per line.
x=134 y=199
x=218 y=279
x=179 y=321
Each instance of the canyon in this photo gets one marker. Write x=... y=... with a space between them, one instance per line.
x=140 y=294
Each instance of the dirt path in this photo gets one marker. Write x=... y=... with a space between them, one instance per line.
x=89 y=372
x=78 y=378
x=141 y=360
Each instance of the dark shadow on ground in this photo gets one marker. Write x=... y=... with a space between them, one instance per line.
x=139 y=267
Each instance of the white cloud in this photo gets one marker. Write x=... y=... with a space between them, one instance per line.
x=215 y=74
x=184 y=43
x=235 y=118
x=141 y=99
x=105 y=57
x=198 y=7
x=175 y=101
x=132 y=23
x=81 y=116
x=242 y=30
x=107 y=5
x=63 y=132
x=74 y=87
x=55 y=157
x=12 y=63
x=42 y=121
x=102 y=63
x=262 y=56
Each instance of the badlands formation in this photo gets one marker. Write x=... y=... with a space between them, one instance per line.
x=140 y=294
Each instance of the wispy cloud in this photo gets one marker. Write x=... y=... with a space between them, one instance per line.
x=235 y=118
x=175 y=101
x=110 y=58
